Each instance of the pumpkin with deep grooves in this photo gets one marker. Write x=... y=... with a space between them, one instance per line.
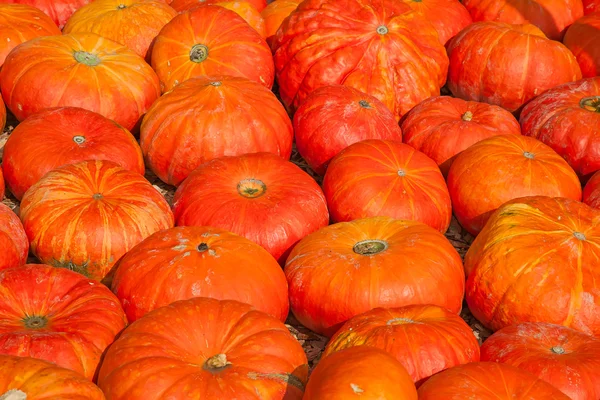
x=448 y=17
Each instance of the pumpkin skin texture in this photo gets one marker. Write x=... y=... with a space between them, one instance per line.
x=20 y=23
x=2 y=185
x=563 y=357
x=384 y=178
x=591 y=191
x=132 y=23
x=70 y=322
x=364 y=373
x=13 y=240
x=247 y=11
x=58 y=10
x=208 y=41
x=274 y=14
x=269 y=201
x=381 y=48
x=108 y=78
x=590 y=6
x=480 y=69
x=345 y=269
x=448 y=17
x=2 y=124
x=187 y=5
x=567 y=118
x=334 y=117
x=60 y=136
x=265 y=361
x=487 y=381
x=115 y=209
x=212 y=117
x=496 y=170
x=443 y=126
x=580 y=39
x=425 y=339
x=547 y=247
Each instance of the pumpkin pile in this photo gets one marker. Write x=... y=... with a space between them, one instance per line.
x=300 y=199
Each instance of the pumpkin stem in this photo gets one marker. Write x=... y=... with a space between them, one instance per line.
x=591 y=103
x=529 y=155
x=382 y=29
x=216 y=83
x=83 y=57
x=81 y=269
x=198 y=53
x=216 y=363
x=202 y=247
x=370 y=247
x=251 y=188
x=364 y=104
x=79 y=139
x=121 y=6
x=14 y=394
x=35 y=322
x=579 y=235
x=401 y=172
x=97 y=196
x=467 y=116
x=558 y=350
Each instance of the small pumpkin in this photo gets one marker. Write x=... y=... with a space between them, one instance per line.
x=13 y=240
x=591 y=191
x=58 y=10
x=448 y=17
x=187 y=5
x=581 y=38
x=274 y=14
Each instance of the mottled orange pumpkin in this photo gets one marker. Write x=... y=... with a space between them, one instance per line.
x=582 y=39
x=13 y=240
x=591 y=191
x=187 y=5
x=448 y=17
x=58 y=10
x=274 y=14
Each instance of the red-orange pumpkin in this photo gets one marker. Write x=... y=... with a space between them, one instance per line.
x=187 y=5
x=334 y=117
x=20 y=23
x=61 y=136
x=381 y=48
x=58 y=10
x=507 y=65
x=384 y=178
x=582 y=39
x=80 y=70
x=349 y=268
x=360 y=372
x=57 y=315
x=247 y=11
x=85 y=216
x=2 y=121
x=443 y=126
x=223 y=350
x=13 y=240
x=425 y=339
x=133 y=23
x=535 y=260
x=496 y=170
x=2 y=185
x=590 y=6
x=567 y=118
x=591 y=192
x=207 y=41
x=274 y=14
x=488 y=381
x=259 y=196
x=448 y=17
x=563 y=357
x=212 y=117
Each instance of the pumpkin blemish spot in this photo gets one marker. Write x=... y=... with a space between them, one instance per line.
x=14 y=394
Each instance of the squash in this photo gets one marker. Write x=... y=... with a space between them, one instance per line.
x=58 y=10
x=580 y=39
x=448 y=17
x=591 y=191
x=13 y=240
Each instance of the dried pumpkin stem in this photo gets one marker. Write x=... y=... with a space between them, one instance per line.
x=83 y=57
x=198 y=53
x=370 y=247
x=467 y=116
x=14 y=394
x=590 y=103
x=35 y=322
x=216 y=363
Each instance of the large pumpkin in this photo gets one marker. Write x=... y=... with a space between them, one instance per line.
x=26 y=378
x=591 y=191
x=590 y=6
x=20 y=23
x=57 y=315
x=2 y=121
x=382 y=48
x=187 y=5
x=58 y=10
x=13 y=240
x=259 y=196
x=364 y=373
x=385 y=178
x=334 y=117
x=212 y=117
x=582 y=38
x=204 y=348
x=507 y=65
x=496 y=170
x=85 y=216
x=207 y=41
x=133 y=23
x=488 y=381
x=61 y=136
x=247 y=11
x=567 y=359
x=448 y=17
x=425 y=339
x=80 y=70
x=535 y=260
x=443 y=126
x=349 y=268
x=274 y=14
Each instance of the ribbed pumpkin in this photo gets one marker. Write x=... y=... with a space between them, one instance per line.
x=385 y=178
x=207 y=41
x=448 y=17
x=80 y=70
x=425 y=339
x=349 y=268
x=582 y=38
x=507 y=65
x=247 y=11
x=58 y=316
x=590 y=6
x=259 y=196
x=223 y=350
x=132 y=23
x=535 y=260
x=381 y=48
x=443 y=126
x=496 y=170
x=85 y=216
x=20 y=23
x=13 y=240
x=58 y=10
x=563 y=357
x=591 y=192
x=212 y=117
x=2 y=121
x=61 y=136
x=187 y=5
x=567 y=118
x=274 y=14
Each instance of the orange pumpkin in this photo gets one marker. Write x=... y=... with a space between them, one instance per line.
x=13 y=240
x=2 y=185
x=80 y=70
x=204 y=348
x=274 y=14
x=207 y=41
x=380 y=177
x=58 y=10
x=448 y=17
x=2 y=123
x=132 y=23
x=591 y=192
x=247 y=11
x=496 y=170
x=85 y=216
x=187 y=5
x=582 y=38
x=535 y=260
x=360 y=372
x=349 y=268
